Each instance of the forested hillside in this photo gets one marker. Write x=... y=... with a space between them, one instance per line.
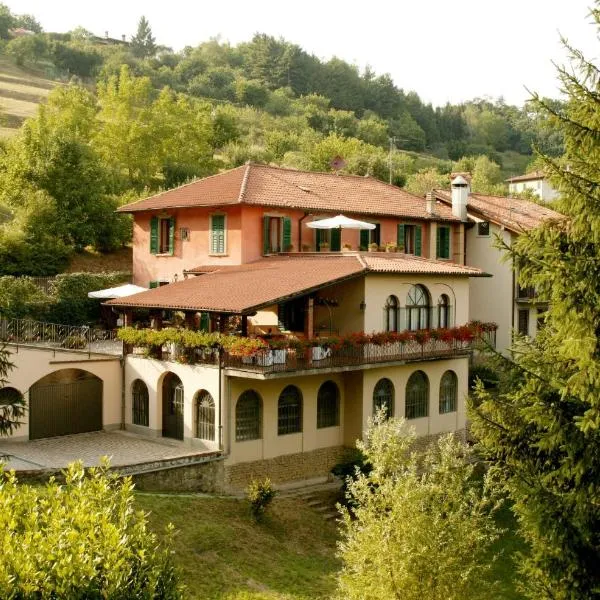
x=135 y=116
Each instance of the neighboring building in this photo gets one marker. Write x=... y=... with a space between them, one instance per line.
x=500 y=299
x=537 y=182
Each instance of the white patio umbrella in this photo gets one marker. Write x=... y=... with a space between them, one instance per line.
x=121 y=291
x=340 y=222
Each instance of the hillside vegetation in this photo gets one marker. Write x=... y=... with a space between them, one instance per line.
x=137 y=117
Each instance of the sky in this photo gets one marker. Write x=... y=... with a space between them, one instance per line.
x=445 y=51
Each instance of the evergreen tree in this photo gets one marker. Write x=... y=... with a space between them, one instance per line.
x=542 y=428
x=143 y=42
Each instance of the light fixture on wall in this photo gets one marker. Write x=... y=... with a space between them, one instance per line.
x=363 y=305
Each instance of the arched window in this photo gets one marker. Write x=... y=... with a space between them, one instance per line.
x=248 y=417
x=204 y=416
x=9 y=395
x=383 y=396
x=289 y=411
x=139 y=403
x=391 y=314
x=417 y=308
x=417 y=396
x=444 y=311
x=448 y=392
x=328 y=405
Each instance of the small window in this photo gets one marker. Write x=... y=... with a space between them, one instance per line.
x=248 y=417
x=204 y=416
x=417 y=396
x=218 y=234
x=391 y=314
x=184 y=234
x=383 y=397
x=448 y=392
x=162 y=235
x=483 y=229
x=444 y=311
x=140 y=403
x=289 y=411
x=523 y=325
x=328 y=405
x=443 y=241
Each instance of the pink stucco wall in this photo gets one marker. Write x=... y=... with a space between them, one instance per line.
x=243 y=242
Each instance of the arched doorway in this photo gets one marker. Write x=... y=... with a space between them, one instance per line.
x=65 y=402
x=172 y=405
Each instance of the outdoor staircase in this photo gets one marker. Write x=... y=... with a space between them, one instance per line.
x=318 y=497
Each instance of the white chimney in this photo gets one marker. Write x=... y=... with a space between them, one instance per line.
x=430 y=203
x=460 y=197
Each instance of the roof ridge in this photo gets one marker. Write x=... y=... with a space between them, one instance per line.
x=244 y=182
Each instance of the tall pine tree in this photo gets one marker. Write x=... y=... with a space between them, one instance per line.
x=143 y=43
x=541 y=430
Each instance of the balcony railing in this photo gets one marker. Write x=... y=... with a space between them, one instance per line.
x=289 y=355
x=320 y=357
x=54 y=335
x=526 y=293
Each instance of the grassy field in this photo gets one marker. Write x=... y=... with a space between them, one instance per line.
x=223 y=555
x=21 y=91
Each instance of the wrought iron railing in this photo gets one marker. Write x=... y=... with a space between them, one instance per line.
x=318 y=357
x=54 y=335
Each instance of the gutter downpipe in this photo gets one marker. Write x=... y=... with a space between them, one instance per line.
x=306 y=214
x=220 y=398
x=123 y=362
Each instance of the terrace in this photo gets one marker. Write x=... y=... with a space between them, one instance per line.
x=285 y=355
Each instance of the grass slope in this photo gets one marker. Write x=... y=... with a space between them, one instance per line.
x=21 y=91
x=224 y=555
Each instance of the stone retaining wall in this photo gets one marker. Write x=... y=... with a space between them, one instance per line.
x=283 y=469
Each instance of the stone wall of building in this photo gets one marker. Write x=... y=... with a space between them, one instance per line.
x=285 y=468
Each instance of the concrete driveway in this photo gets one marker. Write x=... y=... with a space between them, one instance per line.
x=123 y=449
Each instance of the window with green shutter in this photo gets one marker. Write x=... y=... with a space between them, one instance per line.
x=287 y=234
x=217 y=234
x=162 y=235
x=418 y=239
x=153 y=284
x=365 y=238
x=443 y=242
x=400 y=238
x=277 y=234
x=336 y=240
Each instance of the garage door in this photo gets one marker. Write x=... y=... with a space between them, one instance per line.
x=64 y=408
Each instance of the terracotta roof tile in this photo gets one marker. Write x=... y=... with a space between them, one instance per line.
x=264 y=185
x=531 y=176
x=514 y=213
x=244 y=288
x=404 y=263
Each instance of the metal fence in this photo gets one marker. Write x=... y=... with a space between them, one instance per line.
x=54 y=335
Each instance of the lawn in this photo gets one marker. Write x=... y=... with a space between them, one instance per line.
x=223 y=555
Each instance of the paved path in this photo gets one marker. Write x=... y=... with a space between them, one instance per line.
x=123 y=448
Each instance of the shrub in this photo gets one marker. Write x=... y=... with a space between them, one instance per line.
x=75 y=342
x=259 y=494
x=83 y=539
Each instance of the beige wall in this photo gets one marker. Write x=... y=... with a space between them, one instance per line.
x=378 y=287
x=194 y=379
x=33 y=363
x=491 y=299
x=347 y=317
x=272 y=445
x=399 y=375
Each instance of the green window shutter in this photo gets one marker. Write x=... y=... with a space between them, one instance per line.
x=365 y=238
x=217 y=234
x=400 y=237
x=418 y=237
x=266 y=243
x=204 y=321
x=153 y=284
x=443 y=242
x=171 y=235
x=336 y=240
x=154 y=235
x=287 y=234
